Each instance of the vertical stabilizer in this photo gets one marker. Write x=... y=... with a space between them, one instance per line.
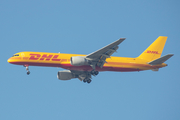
x=154 y=51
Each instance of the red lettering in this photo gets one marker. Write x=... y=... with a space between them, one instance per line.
x=34 y=56
x=152 y=52
x=46 y=57
x=55 y=58
x=148 y=51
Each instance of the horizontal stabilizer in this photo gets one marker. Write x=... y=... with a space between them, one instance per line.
x=161 y=59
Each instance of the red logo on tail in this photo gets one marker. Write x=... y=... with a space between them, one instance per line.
x=152 y=52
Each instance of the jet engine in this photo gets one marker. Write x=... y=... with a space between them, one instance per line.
x=78 y=61
x=65 y=75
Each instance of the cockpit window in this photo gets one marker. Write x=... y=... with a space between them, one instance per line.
x=15 y=55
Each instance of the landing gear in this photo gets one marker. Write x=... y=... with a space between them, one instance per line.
x=28 y=72
x=96 y=73
x=85 y=76
x=27 y=69
x=93 y=72
x=87 y=80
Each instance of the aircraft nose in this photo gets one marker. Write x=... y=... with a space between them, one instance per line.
x=9 y=60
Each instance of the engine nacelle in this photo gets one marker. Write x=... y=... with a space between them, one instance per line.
x=65 y=75
x=78 y=61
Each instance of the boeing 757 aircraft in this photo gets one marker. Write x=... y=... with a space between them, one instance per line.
x=84 y=66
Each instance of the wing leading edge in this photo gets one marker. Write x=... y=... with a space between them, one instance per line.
x=99 y=57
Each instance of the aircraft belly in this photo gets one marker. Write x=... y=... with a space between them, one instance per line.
x=86 y=67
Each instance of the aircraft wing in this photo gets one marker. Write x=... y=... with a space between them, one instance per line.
x=99 y=57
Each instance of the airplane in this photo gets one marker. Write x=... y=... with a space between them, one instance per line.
x=84 y=67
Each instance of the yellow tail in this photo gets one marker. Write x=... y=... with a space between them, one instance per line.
x=154 y=51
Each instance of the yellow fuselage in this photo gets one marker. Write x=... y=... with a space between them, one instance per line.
x=123 y=64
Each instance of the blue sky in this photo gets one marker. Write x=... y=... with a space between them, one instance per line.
x=83 y=27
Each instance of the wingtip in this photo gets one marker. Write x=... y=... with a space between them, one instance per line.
x=171 y=54
x=122 y=38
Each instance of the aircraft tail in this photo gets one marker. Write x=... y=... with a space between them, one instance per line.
x=160 y=60
x=154 y=51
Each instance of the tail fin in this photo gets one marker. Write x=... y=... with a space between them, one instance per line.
x=154 y=50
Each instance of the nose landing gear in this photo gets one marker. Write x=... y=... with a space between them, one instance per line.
x=28 y=72
x=27 y=69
